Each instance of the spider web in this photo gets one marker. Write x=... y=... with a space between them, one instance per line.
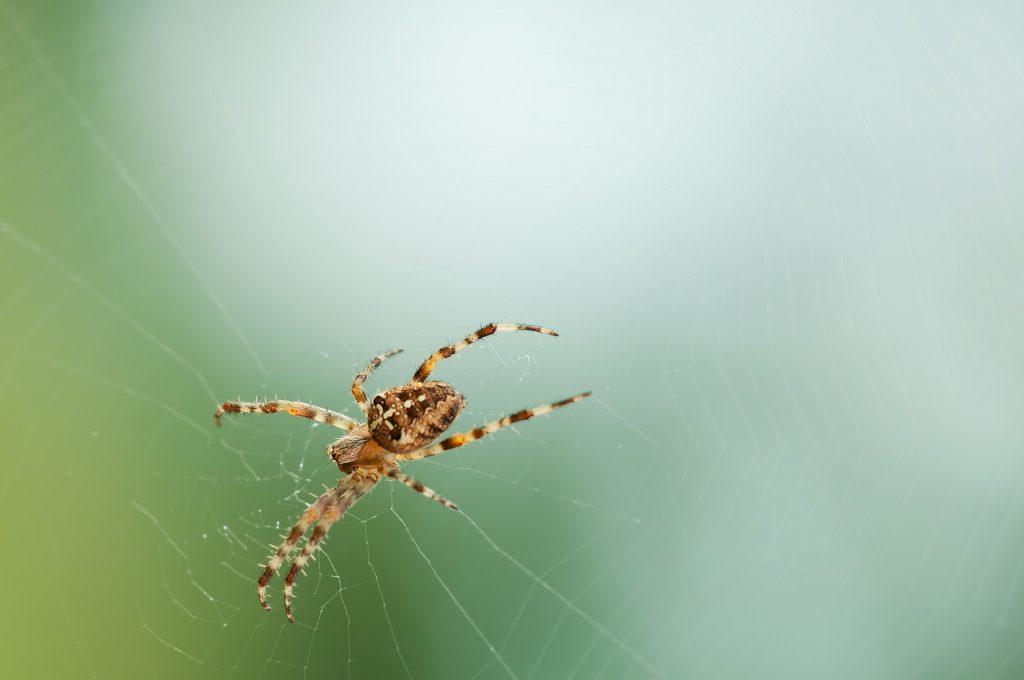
x=782 y=246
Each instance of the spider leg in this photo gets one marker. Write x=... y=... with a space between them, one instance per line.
x=342 y=497
x=357 y=384
x=399 y=476
x=294 y=408
x=463 y=438
x=427 y=366
x=274 y=563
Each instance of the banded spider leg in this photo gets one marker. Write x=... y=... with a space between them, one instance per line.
x=325 y=511
x=464 y=438
x=490 y=329
x=298 y=409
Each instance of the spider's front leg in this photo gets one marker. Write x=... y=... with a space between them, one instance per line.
x=297 y=531
x=293 y=408
x=336 y=502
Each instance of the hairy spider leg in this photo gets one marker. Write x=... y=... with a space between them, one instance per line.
x=297 y=531
x=293 y=408
x=344 y=496
x=490 y=329
x=399 y=476
x=464 y=438
x=357 y=383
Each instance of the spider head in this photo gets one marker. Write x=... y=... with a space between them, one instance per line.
x=349 y=448
x=357 y=449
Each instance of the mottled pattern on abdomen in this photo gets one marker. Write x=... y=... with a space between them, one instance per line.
x=406 y=418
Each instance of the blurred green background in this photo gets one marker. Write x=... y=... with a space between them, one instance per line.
x=782 y=242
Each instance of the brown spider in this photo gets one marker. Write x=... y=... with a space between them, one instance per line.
x=401 y=423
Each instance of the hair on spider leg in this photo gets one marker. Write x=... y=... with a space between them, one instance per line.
x=401 y=424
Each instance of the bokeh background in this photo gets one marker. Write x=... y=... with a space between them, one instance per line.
x=782 y=242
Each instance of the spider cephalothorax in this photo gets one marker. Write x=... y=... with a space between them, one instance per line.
x=401 y=422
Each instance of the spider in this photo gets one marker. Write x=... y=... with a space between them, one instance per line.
x=401 y=422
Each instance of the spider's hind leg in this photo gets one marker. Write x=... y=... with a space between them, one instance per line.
x=490 y=329
x=464 y=438
x=357 y=383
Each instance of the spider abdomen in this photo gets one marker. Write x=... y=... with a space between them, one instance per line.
x=406 y=418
